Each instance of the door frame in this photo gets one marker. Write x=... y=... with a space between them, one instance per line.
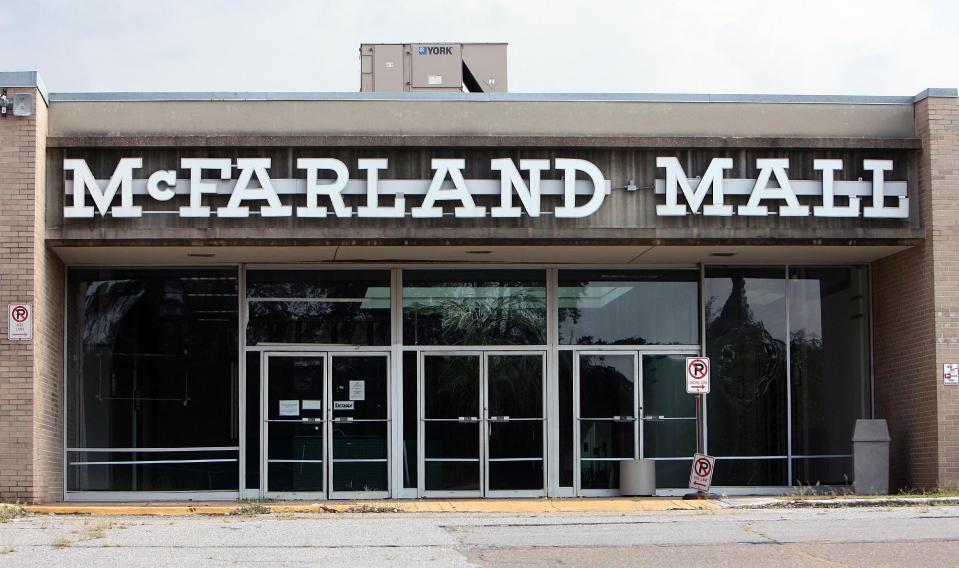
x=328 y=493
x=484 y=432
x=421 y=423
x=577 y=419
x=639 y=404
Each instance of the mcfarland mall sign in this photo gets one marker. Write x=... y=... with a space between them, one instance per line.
x=520 y=188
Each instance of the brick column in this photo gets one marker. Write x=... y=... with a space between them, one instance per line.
x=916 y=316
x=31 y=376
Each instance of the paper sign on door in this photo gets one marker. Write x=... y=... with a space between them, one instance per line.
x=357 y=390
x=289 y=408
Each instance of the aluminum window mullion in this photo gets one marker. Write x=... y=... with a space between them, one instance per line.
x=789 y=386
x=147 y=450
x=241 y=349
x=149 y=462
x=703 y=428
x=551 y=411
x=637 y=398
x=264 y=456
x=395 y=409
x=577 y=427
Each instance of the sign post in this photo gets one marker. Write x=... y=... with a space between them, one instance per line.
x=697 y=384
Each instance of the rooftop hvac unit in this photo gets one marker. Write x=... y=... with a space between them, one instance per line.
x=433 y=67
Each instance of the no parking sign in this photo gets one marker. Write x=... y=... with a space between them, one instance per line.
x=697 y=375
x=19 y=322
x=701 y=474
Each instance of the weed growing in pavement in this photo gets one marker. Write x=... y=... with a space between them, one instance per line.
x=5 y=550
x=62 y=542
x=250 y=510
x=98 y=530
x=928 y=493
x=10 y=511
x=802 y=491
x=361 y=508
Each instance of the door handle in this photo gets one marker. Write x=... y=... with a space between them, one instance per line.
x=499 y=418
x=653 y=418
x=624 y=418
x=469 y=419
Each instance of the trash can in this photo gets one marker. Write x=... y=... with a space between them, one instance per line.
x=870 y=457
x=637 y=477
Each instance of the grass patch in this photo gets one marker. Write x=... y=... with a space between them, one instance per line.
x=929 y=493
x=817 y=491
x=10 y=511
x=370 y=509
x=5 y=550
x=97 y=530
x=250 y=509
x=62 y=542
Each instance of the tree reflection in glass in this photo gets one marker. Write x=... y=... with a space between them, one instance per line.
x=746 y=339
x=633 y=307
x=472 y=307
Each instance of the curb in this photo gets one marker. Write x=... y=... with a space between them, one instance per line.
x=405 y=506
x=839 y=503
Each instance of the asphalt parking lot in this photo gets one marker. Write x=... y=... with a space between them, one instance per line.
x=873 y=536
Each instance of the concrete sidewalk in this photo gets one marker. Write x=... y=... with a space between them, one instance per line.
x=503 y=506
x=511 y=506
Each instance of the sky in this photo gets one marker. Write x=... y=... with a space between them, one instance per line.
x=849 y=47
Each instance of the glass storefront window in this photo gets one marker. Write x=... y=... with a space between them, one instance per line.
x=318 y=306
x=829 y=368
x=746 y=340
x=152 y=374
x=629 y=308
x=474 y=307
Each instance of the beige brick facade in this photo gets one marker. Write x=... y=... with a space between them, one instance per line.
x=30 y=371
x=915 y=312
x=916 y=316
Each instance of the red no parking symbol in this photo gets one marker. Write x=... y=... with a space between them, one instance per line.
x=698 y=369
x=697 y=375
x=703 y=467
x=20 y=314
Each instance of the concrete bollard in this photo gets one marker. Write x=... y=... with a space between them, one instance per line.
x=870 y=456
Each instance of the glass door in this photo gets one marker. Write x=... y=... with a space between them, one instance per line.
x=483 y=424
x=668 y=419
x=360 y=424
x=451 y=425
x=294 y=425
x=515 y=424
x=326 y=425
x=605 y=400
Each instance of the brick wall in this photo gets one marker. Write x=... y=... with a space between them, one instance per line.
x=942 y=133
x=916 y=316
x=48 y=286
x=30 y=372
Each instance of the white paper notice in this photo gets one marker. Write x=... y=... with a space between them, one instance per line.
x=312 y=405
x=289 y=408
x=357 y=390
